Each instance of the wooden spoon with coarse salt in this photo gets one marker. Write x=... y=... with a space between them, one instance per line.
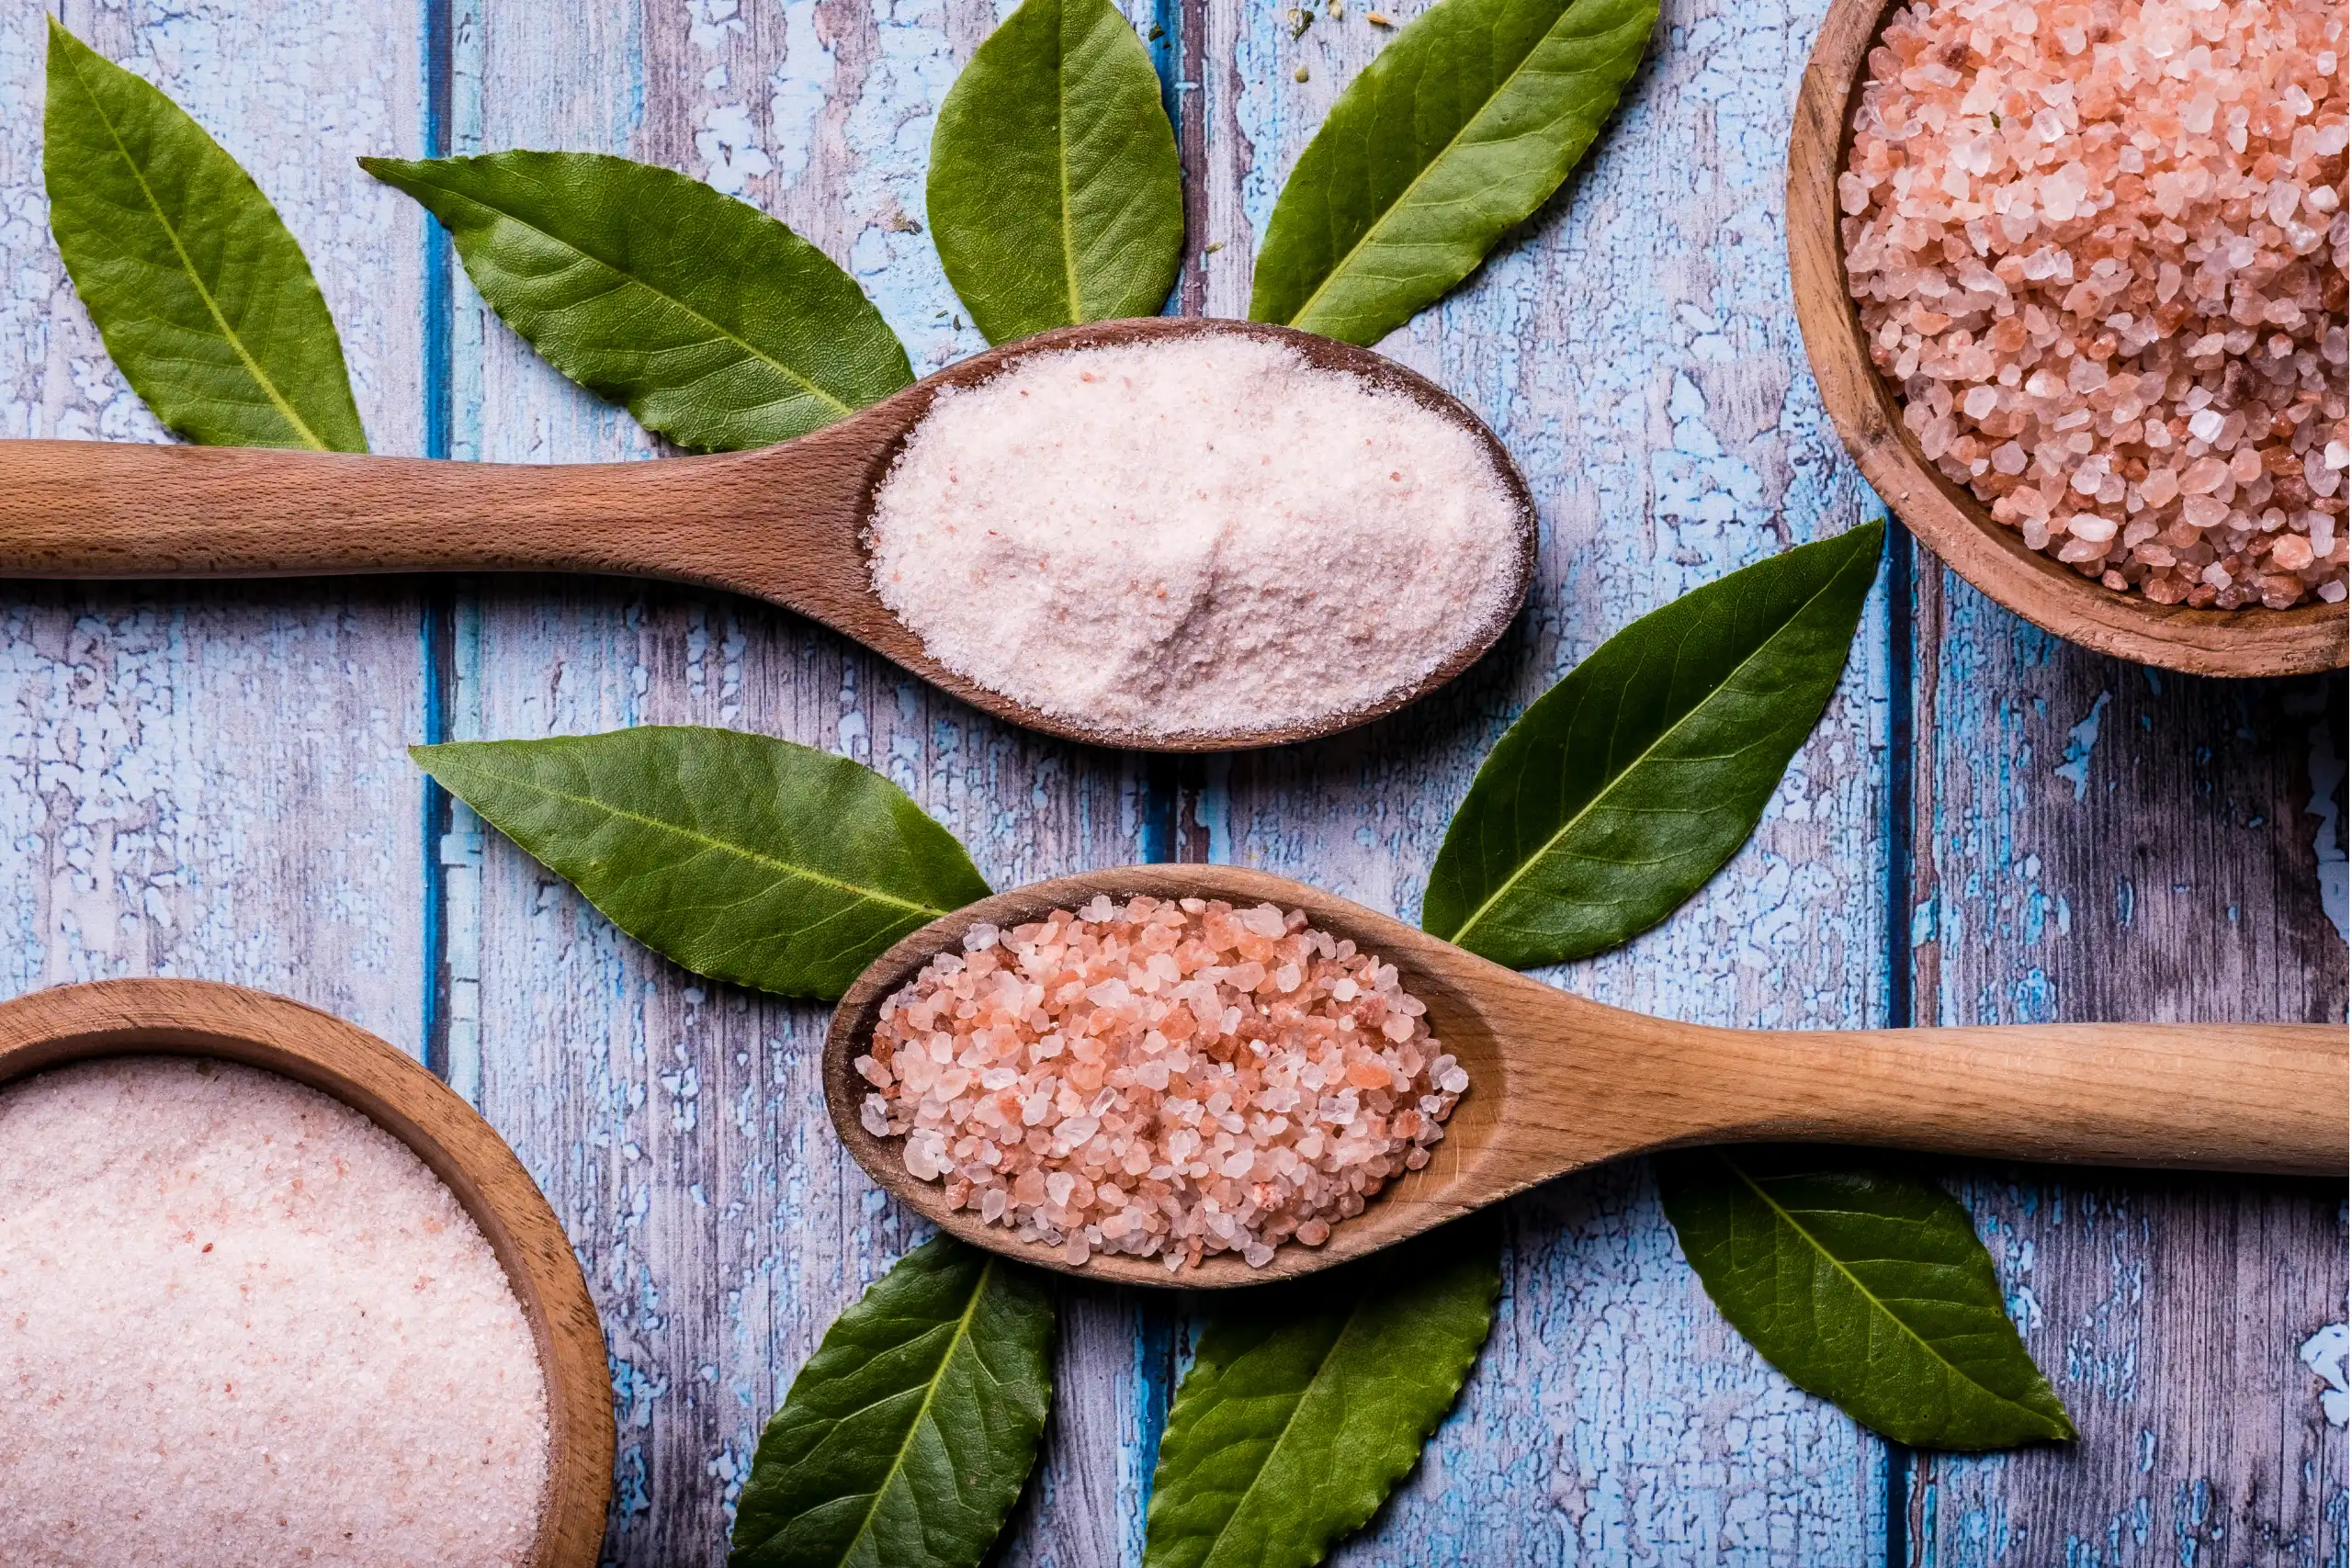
x=1558 y=1083
x=785 y=523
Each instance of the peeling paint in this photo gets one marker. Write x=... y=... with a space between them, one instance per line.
x=729 y=144
x=208 y=781
x=712 y=22
x=799 y=88
x=2081 y=742
x=1640 y=359
x=2326 y=767
x=2325 y=1353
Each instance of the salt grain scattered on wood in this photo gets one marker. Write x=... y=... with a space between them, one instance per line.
x=241 y=1324
x=2101 y=248
x=1156 y=1078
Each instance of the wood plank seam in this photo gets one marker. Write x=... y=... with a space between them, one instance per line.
x=1901 y=1009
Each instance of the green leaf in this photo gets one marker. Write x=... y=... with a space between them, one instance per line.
x=1054 y=193
x=906 y=1439
x=1866 y=1287
x=202 y=297
x=1624 y=787
x=1306 y=1404
x=1456 y=132
x=719 y=327
x=741 y=857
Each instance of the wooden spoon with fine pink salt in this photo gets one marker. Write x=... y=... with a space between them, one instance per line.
x=789 y=523
x=1557 y=1083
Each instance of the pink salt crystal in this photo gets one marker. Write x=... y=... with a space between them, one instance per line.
x=1280 y=1111
x=2125 y=301
x=2204 y=512
x=242 y=1324
x=2204 y=476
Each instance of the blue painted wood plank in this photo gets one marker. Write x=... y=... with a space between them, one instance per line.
x=1641 y=359
x=208 y=781
x=2098 y=841
x=679 y=1130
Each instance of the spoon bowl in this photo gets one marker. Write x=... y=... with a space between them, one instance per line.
x=785 y=524
x=1558 y=1083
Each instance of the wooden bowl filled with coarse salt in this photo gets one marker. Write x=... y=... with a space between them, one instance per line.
x=2075 y=297
x=270 y=1293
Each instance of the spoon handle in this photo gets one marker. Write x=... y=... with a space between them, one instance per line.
x=2256 y=1097
x=768 y=523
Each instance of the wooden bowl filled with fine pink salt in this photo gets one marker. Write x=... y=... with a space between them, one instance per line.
x=270 y=1293
x=2072 y=279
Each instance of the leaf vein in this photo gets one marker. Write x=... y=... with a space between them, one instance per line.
x=786 y=868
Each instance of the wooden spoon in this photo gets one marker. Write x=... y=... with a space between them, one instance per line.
x=785 y=524
x=1558 y=1083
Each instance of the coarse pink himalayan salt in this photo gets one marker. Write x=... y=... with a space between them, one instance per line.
x=2101 y=246
x=242 y=1325
x=1159 y=1079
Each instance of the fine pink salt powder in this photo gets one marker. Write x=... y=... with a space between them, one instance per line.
x=1198 y=537
x=2101 y=244
x=241 y=1324
x=1168 y=1079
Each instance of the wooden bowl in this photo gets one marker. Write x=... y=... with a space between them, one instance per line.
x=1941 y=514
x=197 y=1017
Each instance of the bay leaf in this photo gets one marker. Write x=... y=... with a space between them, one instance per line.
x=1054 y=194
x=1866 y=1286
x=1623 y=788
x=202 y=297
x=1451 y=136
x=905 y=1440
x=741 y=857
x=1306 y=1404
x=718 y=326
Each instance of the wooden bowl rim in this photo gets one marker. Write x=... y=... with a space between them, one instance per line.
x=1951 y=523
x=68 y=1024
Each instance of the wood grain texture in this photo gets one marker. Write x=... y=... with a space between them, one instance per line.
x=787 y=523
x=1946 y=518
x=681 y=1129
x=2097 y=839
x=208 y=781
x=1560 y=1083
x=1635 y=348
x=109 y=1017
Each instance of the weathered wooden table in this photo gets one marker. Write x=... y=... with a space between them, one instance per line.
x=209 y=780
